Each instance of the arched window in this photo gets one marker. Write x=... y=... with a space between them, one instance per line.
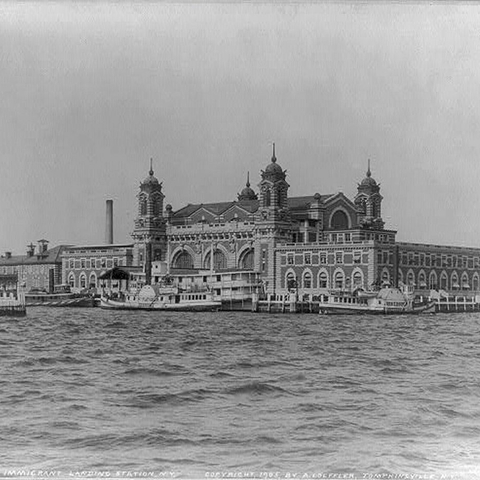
x=219 y=260
x=400 y=276
x=71 y=280
x=143 y=205
x=246 y=260
x=83 y=280
x=421 y=280
x=432 y=281
x=454 y=281
x=475 y=282
x=339 y=280
x=323 y=280
x=184 y=260
x=444 y=281
x=362 y=205
x=92 y=283
x=307 y=280
x=465 y=282
x=385 y=276
x=157 y=205
x=357 y=279
x=290 y=282
x=339 y=220
x=410 y=278
x=268 y=198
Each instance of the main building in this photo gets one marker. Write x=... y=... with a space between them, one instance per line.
x=312 y=243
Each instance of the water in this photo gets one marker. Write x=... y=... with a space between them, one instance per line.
x=204 y=394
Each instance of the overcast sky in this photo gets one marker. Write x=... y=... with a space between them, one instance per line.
x=89 y=92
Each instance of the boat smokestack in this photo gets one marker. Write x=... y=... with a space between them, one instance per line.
x=109 y=223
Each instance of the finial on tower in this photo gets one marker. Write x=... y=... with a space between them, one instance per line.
x=248 y=179
x=151 y=166
x=369 y=173
x=274 y=158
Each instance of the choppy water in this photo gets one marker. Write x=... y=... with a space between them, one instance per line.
x=240 y=394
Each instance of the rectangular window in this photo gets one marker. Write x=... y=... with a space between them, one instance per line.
x=357 y=257
x=264 y=260
x=323 y=258
x=104 y=261
x=290 y=258
x=348 y=237
x=83 y=262
x=115 y=262
x=72 y=263
x=338 y=257
x=307 y=259
x=385 y=257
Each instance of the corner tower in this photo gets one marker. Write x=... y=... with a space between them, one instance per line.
x=273 y=191
x=149 y=234
x=272 y=221
x=369 y=203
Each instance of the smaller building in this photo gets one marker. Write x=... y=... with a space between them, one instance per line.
x=39 y=270
x=82 y=265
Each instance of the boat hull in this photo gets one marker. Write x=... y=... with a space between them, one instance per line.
x=59 y=301
x=109 y=304
x=332 y=309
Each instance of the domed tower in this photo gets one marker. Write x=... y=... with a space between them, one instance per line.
x=150 y=229
x=272 y=221
x=247 y=193
x=369 y=203
x=273 y=190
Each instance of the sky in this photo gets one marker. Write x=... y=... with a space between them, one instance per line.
x=91 y=91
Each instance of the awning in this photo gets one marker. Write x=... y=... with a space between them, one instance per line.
x=119 y=273
x=455 y=285
x=423 y=284
x=466 y=285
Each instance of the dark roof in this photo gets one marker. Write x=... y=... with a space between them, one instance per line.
x=120 y=273
x=300 y=203
x=295 y=203
x=13 y=260
x=52 y=255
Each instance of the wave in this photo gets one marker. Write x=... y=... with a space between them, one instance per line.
x=256 y=388
x=150 y=371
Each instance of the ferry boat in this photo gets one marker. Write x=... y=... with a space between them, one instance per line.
x=62 y=297
x=159 y=297
x=387 y=300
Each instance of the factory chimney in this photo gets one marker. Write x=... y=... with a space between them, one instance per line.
x=109 y=223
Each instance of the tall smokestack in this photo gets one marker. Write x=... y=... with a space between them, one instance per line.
x=109 y=223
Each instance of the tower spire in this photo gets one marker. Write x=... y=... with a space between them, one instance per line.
x=274 y=158
x=369 y=173
x=151 y=166
x=248 y=179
